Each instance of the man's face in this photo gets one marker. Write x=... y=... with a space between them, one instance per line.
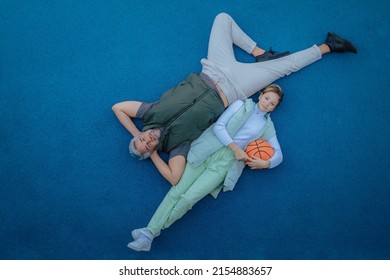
x=148 y=140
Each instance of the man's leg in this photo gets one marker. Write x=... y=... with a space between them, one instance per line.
x=224 y=33
x=253 y=77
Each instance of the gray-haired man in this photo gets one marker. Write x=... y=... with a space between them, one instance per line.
x=189 y=108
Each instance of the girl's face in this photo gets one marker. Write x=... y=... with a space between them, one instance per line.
x=268 y=101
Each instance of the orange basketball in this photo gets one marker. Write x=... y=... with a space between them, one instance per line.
x=260 y=149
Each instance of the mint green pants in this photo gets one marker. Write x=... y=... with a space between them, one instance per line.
x=195 y=184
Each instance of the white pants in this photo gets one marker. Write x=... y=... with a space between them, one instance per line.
x=241 y=80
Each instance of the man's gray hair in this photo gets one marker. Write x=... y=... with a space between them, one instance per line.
x=135 y=153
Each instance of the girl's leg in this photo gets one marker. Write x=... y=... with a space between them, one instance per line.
x=224 y=33
x=172 y=197
x=212 y=177
x=143 y=238
x=205 y=184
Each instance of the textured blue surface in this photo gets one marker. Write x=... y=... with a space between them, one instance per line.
x=69 y=189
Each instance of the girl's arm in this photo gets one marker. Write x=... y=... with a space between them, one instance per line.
x=220 y=126
x=275 y=160
x=222 y=133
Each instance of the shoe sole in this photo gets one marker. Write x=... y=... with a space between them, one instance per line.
x=147 y=249
x=137 y=232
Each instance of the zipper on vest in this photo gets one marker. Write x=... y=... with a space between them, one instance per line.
x=183 y=110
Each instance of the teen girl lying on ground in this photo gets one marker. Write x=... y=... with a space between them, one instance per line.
x=216 y=160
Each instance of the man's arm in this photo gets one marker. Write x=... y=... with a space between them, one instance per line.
x=175 y=167
x=124 y=111
x=171 y=171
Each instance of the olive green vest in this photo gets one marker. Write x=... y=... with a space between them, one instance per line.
x=184 y=112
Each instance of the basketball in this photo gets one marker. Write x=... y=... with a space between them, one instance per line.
x=260 y=149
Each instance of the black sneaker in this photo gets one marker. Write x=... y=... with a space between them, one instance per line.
x=269 y=55
x=338 y=44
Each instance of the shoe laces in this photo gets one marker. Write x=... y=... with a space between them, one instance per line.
x=272 y=52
